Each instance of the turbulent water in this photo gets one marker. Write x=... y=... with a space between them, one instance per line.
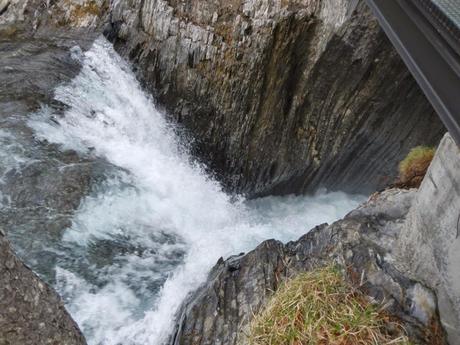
x=152 y=229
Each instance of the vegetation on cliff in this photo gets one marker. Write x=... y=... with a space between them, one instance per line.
x=320 y=307
x=413 y=168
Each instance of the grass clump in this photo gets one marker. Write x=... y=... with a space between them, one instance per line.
x=413 y=168
x=319 y=308
x=88 y=8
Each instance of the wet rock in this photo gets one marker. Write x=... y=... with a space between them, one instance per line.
x=363 y=243
x=279 y=96
x=42 y=184
x=30 y=312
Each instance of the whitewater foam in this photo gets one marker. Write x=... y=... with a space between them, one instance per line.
x=152 y=234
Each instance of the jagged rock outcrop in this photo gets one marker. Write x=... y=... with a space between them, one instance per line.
x=429 y=245
x=279 y=96
x=363 y=243
x=30 y=312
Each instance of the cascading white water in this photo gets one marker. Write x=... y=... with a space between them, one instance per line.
x=158 y=223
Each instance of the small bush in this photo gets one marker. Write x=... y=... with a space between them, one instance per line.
x=413 y=168
x=321 y=308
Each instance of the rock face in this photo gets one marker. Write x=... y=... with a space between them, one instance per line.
x=279 y=96
x=363 y=242
x=429 y=247
x=30 y=312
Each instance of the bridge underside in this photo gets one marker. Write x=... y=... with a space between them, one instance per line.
x=426 y=33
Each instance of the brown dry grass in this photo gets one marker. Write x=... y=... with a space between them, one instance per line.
x=413 y=168
x=321 y=308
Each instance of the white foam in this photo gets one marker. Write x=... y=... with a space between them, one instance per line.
x=158 y=193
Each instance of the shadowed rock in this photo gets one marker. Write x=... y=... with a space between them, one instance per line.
x=30 y=312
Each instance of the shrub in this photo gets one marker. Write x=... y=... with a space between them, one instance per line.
x=320 y=308
x=413 y=168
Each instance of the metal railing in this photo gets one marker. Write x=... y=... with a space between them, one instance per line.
x=426 y=34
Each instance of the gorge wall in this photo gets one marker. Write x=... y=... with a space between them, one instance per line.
x=279 y=96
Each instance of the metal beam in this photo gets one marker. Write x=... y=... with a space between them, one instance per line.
x=429 y=55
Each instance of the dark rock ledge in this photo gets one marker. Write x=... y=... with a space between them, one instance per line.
x=220 y=311
x=31 y=313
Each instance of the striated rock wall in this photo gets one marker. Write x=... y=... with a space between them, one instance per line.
x=279 y=96
x=30 y=312
x=429 y=247
x=363 y=242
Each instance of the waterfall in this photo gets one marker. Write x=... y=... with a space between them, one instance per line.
x=149 y=234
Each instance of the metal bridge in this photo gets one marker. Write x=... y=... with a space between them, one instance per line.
x=426 y=33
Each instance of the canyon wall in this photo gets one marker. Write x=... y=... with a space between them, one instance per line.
x=279 y=96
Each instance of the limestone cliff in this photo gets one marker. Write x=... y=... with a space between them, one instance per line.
x=279 y=96
x=429 y=246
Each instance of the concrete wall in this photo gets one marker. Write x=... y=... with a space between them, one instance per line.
x=429 y=245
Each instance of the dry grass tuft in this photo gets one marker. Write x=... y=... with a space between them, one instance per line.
x=87 y=9
x=413 y=168
x=319 y=308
